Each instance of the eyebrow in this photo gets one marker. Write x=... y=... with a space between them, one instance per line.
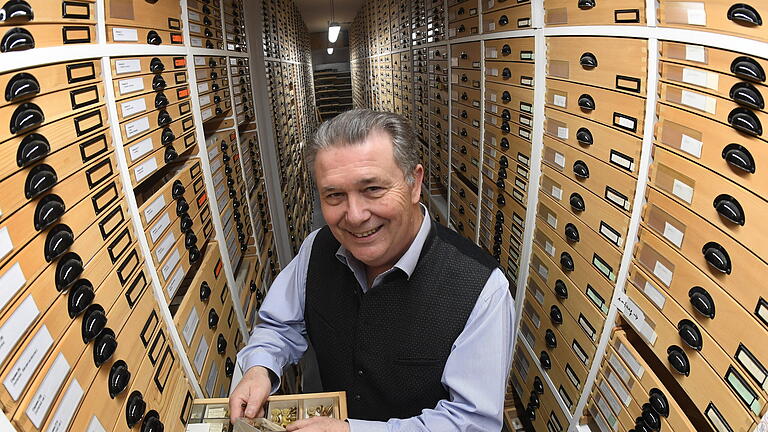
x=362 y=182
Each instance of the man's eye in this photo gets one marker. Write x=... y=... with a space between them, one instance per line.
x=373 y=189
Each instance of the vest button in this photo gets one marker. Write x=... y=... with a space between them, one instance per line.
x=359 y=372
x=357 y=397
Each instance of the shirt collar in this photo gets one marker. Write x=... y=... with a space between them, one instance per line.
x=407 y=262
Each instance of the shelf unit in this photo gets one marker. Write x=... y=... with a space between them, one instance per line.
x=333 y=92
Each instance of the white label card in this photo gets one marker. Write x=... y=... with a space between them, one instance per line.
x=695 y=53
x=6 y=244
x=552 y=220
x=153 y=209
x=165 y=246
x=619 y=388
x=697 y=15
x=158 y=228
x=699 y=101
x=663 y=273
x=41 y=402
x=557 y=193
x=130 y=85
x=67 y=407
x=11 y=282
x=16 y=325
x=176 y=280
x=562 y=132
x=127 y=66
x=696 y=77
x=560 y=101
x=691 y=145
x=190 y=325
x=560 y=160
x=635 y=316
x=132 y=107
x=200 y=354
x=95 y=425
x=145 y=169
x=27 y=363
x=657 y=297
x=140 y=149
x=171 y=263
x=682 y=191
x=136 y=127
x=673 y=234
x=125 y=35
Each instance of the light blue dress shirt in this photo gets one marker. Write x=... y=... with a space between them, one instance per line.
x=475 y=373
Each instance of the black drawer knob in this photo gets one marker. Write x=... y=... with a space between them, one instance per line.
x=584 y=136
x=555 y=315
x=253 y=287
x=22 y=85
x=216 y=99
x=181 y=206
x=167 y=137
x=506 y=115
x=561 y=290
x=190 y=240
x=17 y=39
x=580 y=169
x=717 y=257
x=16 y=10
x=463 y=167
x=49 y=209
x=94 y=321
x=462 y=29
x=502 y=173
x=545 y=361
x=163 y=118
x=119 y=376
x=214 y=75
x=577 y=202
x=161 y=100
x=177 y=190
x=538 y=386
x=205 y=291
x=530 y=412
x=729 y=208
x=208 y=33
x=158 y=83
x=586 y=102
x=213 y=319
x=748 y=69
x=566 y=261
x=134 y=409
x=651 y=418
x=212 y=62
x=68 y=269
x=739 y=157
x=461 y=209
x=505 y=127
x=104 y=347
x=26 y=116
x=499 y=216
x=571 y=232
x=586 y=4
x=504 y=143
x=504 y=20
x=747 y=95
x=702 y=302
x=501 y=201
x=152 y=422
x=506 y=50
x=80 y=297
x=229 y=367
x=32 y=148
x=463 y=115
x=194 y=255
x=745 y=15
x=464 y=78
x=506 y=73
x=745 y=121
x=218 y=111
x=588 y=60
x=460 y=226
x=659 y=402
x=58 y=241
x=504 y=162
x=500 y=182
x=678 y=360
x=185 y=223
x=534 y=400
x=506 y=97
x=170 y=154
x=464 y=96
x=550 y=339
x=221 y=344
x=690 y=334
x=153 y=38
x=156 y=65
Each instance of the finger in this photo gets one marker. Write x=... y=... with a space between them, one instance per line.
x=254 y=406
x=236 y=405
x=299 y=424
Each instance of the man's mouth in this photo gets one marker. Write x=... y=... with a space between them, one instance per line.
x=365 y=234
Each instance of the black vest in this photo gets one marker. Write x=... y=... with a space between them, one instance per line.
x=387 y=348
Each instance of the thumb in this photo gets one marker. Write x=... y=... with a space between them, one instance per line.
x=255 y=405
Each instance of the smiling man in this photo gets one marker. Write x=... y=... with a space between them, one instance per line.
x=412 y=320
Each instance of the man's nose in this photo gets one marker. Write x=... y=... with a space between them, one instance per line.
x=357 y=210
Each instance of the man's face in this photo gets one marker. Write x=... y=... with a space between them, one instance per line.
x=371 y=209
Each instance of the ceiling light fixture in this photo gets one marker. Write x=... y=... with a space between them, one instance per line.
x=333 y=27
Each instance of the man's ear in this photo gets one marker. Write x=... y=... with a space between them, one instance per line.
x=418 y=178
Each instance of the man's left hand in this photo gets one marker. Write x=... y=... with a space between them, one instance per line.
x=318 y=424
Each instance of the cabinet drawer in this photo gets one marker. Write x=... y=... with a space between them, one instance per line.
x=622 y=111
x=467 y=115
x=172 y=136
x=465 y=27
x=499 y=96
x=47 y=79
x=46 y=35
x=505 y=115
x=724 y=16
x=462 y=10
x=212 y=62
x=510 y=73
x=158 y=36
x=182 y=180
x=722 y=61
x=468 y=167
x=466 y=55
x=138 y=127
x=466 y=96
x=513 y=18
x=130 y=108
x=466 y=78
x=510 y=49
x=129 y=66
x=165 y=15
x=466 y=133
x=566 y=12
x=612 y=63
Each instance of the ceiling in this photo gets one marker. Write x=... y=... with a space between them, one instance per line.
x=317 y=13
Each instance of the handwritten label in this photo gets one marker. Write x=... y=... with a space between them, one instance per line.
x=691 y=145
x=140 y=149
x=159 y=227
x=682 y=191
x=560 y=101
x=125 y=35
x=657 y=297
x=67 y=407
x=673 y=234
x=130 y=85
x=200 y=354
x=130 y=108
x=16 y=325
x=636 y=317
x=663 y=273
x=190 y=325
x=136 y=127
x=153 y=209
x=11 y=281
x=127 y=66
x=145 y=169
x=27 y=363
x=46 y=393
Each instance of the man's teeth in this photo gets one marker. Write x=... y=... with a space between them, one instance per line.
x=366 y=233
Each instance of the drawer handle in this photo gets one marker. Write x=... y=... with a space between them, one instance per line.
x=194 y=255
x=650 y=418
x=80 y=297
x=32 y=148
x=745 y=121
x=463 y=150
x=181 y=206
x=506 y=50
x=68 y=269
x=739 y=157
x=462 y=29
x=163 y=118
x=161 y=100
x=545 y=361
x=496 y=250
x=717 y=257
x=586 y=102
x=216 y=99
x=745 y=15
x=702 y=302
x=185 y=223
x=506 y=73
x=219 y=111
x=152 y=421
x=207 y=21
x=221 y=344
x=167 y=137
x=561 y=290
x=463 y=114
x=690 y=334
x=500 y=183
x=205 y=291
x=500 y=200
x=213 y=319
x=659 y=402
x=208 y=33
x=229 y=367
x=586 y=4
x=463 y=167
x=22 y=85
x=460 y=226
x=678 y=360
x=550 y=339
x=94 y=322
x=156 y=65
x=747 y=95
x=16 y=10
x=40 y=179
x=584 y=136
x=25 y=117
x=119 y=376
x=504 y=162
x=506 y=115
x=580 y=169
x=505 y=143
x=17 y=39
x=506 y=97
x=153 y=38
x=555 y=315
x=104 y=347
x=158 y=83
x=212 y=61
x=505 y=127
x=503 y=20
x=252 y=287
x=497 y=239
x=748 y=69
x=214 y=75
x=499 y=217
x=530 y=412
x=577 y=202
x=170 y=155
x=48 y=211
x=538 y=386
x=464 y=78
x=566 y=260
x=461 y=209
x=190 y=240
x=209 y=44
x=134 y=409
x=588 y=60
x=464 y=96
x=463 y=132
x=534 y=401
x=729 y=208
x=502 y=173
x=572 y=233
x=177 y=190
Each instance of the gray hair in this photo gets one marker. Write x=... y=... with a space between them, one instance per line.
x=354 y=126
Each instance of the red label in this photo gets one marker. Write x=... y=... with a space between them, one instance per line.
x=179 y=62
x=217 y=270
x=177 y=38
x=202 y=199
x=182 y=93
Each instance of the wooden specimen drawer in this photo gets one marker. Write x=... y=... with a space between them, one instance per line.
x=466 y=78
x=510 y=49
x=513 y=18
x=725 y=16
x=158 y=100
x=510 y=73
x=33 y=82
x=205 y=31
x=182 y=181
x=128 y=87
x=43 y=11
x=616 y=148
x=612 y=63
x=622 y=111
x=717 y=83
x=175 y=136
x=117 y=34
x=128 y=66
x=602 y=180
x=467 y=115
x=722 y=61
x=462 y=11
x=164 y=15
x=505 y=115
x=465 y=27
x=138 y=127
x=46 y=35
x=499 y=96
x=466 y=55
x=566 y=12
x=210 y=62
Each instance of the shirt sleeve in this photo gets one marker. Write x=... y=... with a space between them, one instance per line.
x=475 y=374
x=279 y=338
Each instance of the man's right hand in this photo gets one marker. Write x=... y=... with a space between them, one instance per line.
x=248 y=398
